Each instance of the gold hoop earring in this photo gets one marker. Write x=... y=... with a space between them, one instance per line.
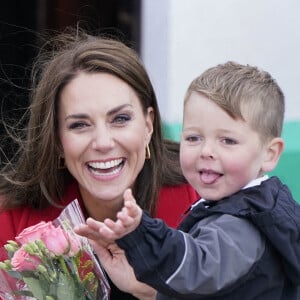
x=148 y=153
x=61 y=164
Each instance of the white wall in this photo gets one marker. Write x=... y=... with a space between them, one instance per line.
x=180 y=39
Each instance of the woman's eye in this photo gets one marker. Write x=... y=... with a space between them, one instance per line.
x=121 y=119
x=78 y=125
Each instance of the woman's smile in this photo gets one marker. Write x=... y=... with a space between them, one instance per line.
x=106 y=169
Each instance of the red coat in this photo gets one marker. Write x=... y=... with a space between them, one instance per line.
x=173 y=201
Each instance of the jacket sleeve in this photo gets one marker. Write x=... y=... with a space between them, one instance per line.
x=215 y=254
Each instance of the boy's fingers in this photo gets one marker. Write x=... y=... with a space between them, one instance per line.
x=118 y=227
x=86 y=231
x=128 y=196
x=97 y=231
x=130 y=206
x=124 y=219
x=107 y=233
x=93 y=224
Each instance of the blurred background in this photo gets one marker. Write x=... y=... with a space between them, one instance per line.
x=176 y=40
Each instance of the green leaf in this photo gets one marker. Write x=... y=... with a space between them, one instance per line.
x=15 y=274
x=66 y=289
x=23 y=293
x=34 y=285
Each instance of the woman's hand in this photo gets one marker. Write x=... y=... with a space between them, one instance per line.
x=115 y=263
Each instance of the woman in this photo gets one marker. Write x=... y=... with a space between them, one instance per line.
x=94 y=129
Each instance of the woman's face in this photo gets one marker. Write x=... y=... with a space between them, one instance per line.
x=103 y=133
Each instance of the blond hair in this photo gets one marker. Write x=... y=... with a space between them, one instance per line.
x=244 y=92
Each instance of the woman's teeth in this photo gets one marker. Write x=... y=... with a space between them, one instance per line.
x=106 y=168
x=105 y=165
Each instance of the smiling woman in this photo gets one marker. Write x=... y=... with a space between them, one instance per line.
x=94 y=130
x=104 y=140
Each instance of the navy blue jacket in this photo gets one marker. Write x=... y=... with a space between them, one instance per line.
x=246 y=246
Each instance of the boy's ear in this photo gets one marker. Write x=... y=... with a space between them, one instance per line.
x=273 y=150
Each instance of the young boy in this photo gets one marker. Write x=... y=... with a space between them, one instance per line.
x=241 y=239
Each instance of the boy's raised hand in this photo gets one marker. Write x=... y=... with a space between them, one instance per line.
x=108 y=231
x=128 y=219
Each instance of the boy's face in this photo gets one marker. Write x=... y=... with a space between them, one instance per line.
x=218 y=155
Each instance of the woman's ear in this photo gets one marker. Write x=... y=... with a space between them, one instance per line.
x=273 y=149
x=60 y=150
x=149 y=123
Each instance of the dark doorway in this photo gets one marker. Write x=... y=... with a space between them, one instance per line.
x=21 y=22
x=116 y=17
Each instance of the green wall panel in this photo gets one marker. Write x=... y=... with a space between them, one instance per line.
x=289 y=164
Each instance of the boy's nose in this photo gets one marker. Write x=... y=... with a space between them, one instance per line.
x=207 y=150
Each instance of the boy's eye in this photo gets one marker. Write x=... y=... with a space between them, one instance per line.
x=229 y=141
x=192 y=138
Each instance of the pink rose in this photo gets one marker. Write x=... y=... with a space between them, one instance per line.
x=56 y=240
x=22 y=261
x=75 y=244
x=32 y=233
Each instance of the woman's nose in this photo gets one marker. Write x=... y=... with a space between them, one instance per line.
x=102 y=139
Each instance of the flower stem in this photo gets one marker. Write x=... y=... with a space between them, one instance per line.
x=63 y=265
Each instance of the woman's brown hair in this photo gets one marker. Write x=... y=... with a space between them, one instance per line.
x=33 y=178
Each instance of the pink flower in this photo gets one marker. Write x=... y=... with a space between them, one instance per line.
x=32 y=233
x=56 y=240
x=22 y=261
x=75 y=245
x=49 y=258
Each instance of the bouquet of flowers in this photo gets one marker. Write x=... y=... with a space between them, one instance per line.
x=48 y=261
